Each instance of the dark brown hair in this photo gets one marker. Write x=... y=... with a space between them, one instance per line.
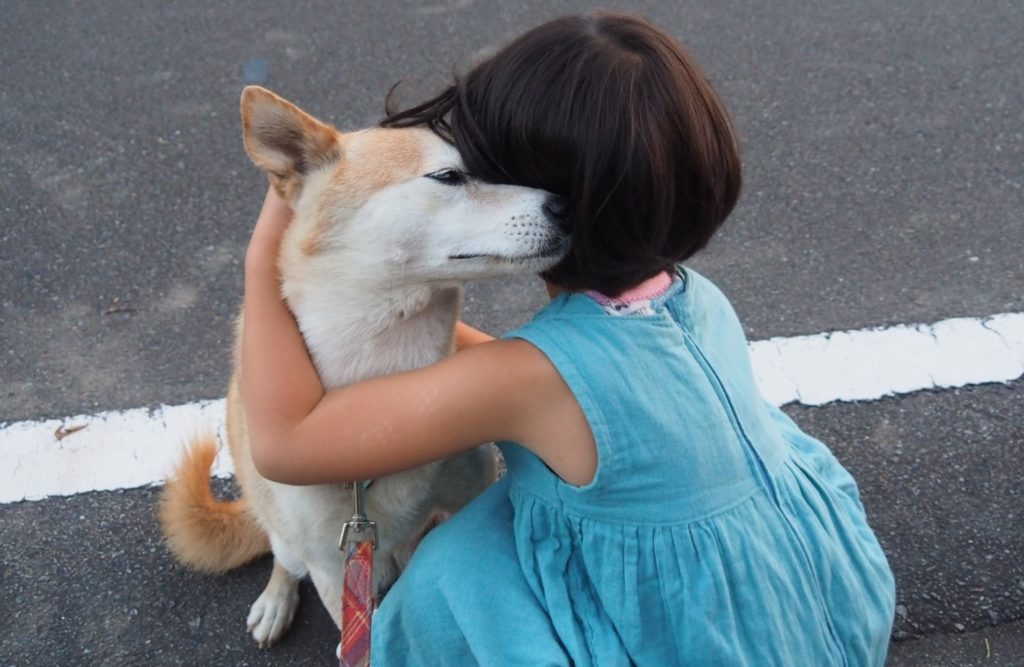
x=611 y=113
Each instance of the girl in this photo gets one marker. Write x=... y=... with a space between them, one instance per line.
x=656 y=511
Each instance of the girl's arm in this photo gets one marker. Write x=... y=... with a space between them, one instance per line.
x=279 y=383
x=466 y=336
x=298 y=434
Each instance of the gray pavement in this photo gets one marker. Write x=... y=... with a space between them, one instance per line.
x=1003 y=645
x=883 y=145
x=884 y=153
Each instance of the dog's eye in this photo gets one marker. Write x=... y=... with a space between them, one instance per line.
x=448 y=176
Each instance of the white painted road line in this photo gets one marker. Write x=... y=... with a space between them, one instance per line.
x=112 y=450
x=132 y=448
x=872 y=363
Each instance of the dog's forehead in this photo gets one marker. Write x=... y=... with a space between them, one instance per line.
x=378 y=158
x=440 y=154
x=372 y=160
x=395 y=155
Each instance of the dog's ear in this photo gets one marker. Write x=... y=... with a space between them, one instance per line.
x=284 y=140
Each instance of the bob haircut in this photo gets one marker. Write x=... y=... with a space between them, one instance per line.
x=610 y=113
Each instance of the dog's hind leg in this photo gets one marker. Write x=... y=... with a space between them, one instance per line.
x=272 y=613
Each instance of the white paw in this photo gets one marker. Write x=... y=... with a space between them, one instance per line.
x=272 y=614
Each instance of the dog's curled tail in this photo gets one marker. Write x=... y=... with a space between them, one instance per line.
x=204 y=533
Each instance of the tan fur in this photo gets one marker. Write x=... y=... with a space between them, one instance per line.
x=372 y=165
x=205 y=533
x=363 y=169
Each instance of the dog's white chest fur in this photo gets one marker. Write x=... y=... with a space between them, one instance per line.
x=355 y=336
x=352 y=336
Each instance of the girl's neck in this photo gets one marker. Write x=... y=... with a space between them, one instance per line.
x=553 y=289
x=645 y=290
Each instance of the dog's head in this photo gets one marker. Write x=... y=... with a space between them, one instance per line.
x=394 y=205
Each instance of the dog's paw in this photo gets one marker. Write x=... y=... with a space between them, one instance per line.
x=272 y=614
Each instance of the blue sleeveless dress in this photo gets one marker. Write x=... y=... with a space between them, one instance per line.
x=715 y=532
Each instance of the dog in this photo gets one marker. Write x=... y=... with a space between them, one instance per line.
x=387 y=228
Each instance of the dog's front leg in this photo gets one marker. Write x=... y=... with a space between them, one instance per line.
x=274 y=610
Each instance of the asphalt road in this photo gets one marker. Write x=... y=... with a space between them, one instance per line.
x=884 y=154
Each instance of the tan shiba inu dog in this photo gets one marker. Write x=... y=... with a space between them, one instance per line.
x=386 y=228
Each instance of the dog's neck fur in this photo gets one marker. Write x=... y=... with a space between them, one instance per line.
x=357 y=327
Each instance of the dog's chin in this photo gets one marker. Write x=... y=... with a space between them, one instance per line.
x=486 y=265
x=538 y=261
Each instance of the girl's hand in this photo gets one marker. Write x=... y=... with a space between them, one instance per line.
x=274 y=219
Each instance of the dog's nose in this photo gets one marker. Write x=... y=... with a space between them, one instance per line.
x=557 y=208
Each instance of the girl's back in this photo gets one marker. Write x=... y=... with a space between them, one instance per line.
x=714 y=532
x=670 y=397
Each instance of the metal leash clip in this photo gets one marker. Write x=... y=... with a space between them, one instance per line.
x=359 y=528
x=357 y=543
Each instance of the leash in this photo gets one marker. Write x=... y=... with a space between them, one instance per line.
x=358 y=542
